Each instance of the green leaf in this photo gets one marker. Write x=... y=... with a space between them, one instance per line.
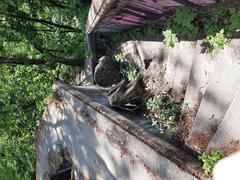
x=170 y=39
x=185 y=17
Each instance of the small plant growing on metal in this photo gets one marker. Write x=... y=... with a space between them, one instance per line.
x=164 y=112
x=170 y=39
x=131 y=73
x=209 y=160
x=216 y=42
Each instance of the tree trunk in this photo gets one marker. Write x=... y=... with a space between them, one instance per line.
x=69 y=62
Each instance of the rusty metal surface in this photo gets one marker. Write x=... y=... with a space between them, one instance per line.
x=183 y=160
x=124 y=14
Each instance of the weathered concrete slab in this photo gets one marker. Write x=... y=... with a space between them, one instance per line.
x=227 y=137
x=185 y=53
x=171 y=66
x=217 y=98
x=106 y=145
x=201 y=72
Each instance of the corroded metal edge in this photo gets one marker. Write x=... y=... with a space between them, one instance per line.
x=96 y=13
x=184 y=161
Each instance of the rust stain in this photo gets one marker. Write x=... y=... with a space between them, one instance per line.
x=149 y=170
x=233 y=147
x=198 y=141
x=189 y=114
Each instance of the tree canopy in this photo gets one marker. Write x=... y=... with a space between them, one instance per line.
x=38 y=39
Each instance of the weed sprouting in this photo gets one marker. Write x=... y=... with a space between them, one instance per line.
x=209 y=160
x=131 y=73
x=216 y=42
x=170 y=39
x=119 y=57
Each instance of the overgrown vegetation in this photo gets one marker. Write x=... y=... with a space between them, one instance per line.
x=164 y=112
x=38 y=35
x=183 y=23
x=215 y=25
x=131 y=73
x=209 y=160
x=216 y=42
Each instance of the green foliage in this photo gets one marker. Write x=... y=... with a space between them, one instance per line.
x=24 y=93
x=119 y=57
x=131 y=73
x=164 y=112
x=137 y=33
x=222 y=18
x=187 y=23
x=233 y=22
x=216 y=42
x=170 y=39
x=210 y=160
x=183 y=22
x=48 y=30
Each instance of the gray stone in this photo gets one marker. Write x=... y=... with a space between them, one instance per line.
x=107 y=72
x=127 y=94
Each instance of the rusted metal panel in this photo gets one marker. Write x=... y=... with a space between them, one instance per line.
x=124 y=14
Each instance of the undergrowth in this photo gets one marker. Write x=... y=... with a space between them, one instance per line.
x=119 y=57
x=217 y=25
x=131 y=73
x=165 y=112
x=209 y=160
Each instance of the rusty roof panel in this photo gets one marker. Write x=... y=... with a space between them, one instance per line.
x=118 y=15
